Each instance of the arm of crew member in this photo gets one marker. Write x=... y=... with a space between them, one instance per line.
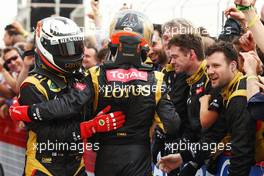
x=257 y=28
x=243 y=134
x=48 y=129
x=68 y=104
x=168 y=116
x=207 y=117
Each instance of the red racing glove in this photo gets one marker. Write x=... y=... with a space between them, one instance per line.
x=102 y=123
x=19 y=113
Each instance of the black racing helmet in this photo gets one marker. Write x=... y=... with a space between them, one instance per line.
x=130 y=36
x=59 y=44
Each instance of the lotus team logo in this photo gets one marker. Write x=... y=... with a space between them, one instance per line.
x=101 y=122
x=53 y=87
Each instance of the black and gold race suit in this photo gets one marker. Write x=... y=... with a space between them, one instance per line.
x=185 y=93
x=141 y=95
x=240 y=126
x=178 y=91
x=199 y=86
x=52 y=145
x=236 y=121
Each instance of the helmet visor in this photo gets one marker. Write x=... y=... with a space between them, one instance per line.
x=65 y=49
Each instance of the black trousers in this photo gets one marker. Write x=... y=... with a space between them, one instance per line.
x=123 y=160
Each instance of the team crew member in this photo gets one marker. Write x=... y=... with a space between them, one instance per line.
x=187 y=57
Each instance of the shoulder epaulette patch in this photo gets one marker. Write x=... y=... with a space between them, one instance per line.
x=53 y=87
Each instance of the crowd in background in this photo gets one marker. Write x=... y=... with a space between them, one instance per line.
x=242 y=29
